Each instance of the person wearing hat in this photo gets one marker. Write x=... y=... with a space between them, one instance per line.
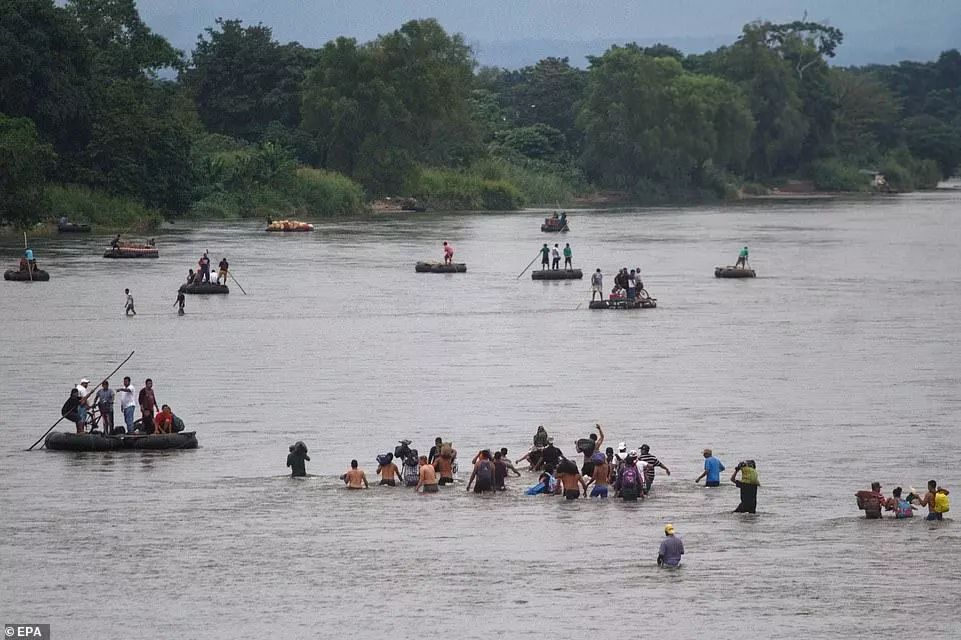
x=652 y=463
x=630 y=479
x=712 y=469
x=551 y=457
x=671 y=549
x=82 y=389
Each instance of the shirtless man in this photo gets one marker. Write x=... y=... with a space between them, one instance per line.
x=426 y=477
x=929 y=498
x=570 y=478
x=388 y=472
x=600 y=477
x=445 y=468
x=355 y=478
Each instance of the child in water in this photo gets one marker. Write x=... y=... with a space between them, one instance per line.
x=296 y=458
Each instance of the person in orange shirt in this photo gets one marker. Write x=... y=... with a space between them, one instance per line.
x=164 y=421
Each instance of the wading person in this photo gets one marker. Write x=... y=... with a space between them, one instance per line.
x=444 y=464
x=900 y=506
x=296 y=459
x=355 y=478
x=568 y=256
x=871 y=501
x=426 y=477
x=128 y=306
x=104 y=400
x=500 y=471
x=507 y=461
x=748 y=485
x=630 y=480
x=671 y=549
x=550 y=457
x=652 y=464
x=483 y=474
x=388 y=471
x=712 y=470
x=181 y=300
x=435 y=450
x=600 y=477
x=588 y=446
x=128 y=403
x=148 y=405
x=936 y=500
x=571 y=479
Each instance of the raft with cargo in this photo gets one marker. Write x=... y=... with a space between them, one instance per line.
x=66 y=441
x=557 y=274
x=734 y=272
x=204 y=288
x=17 y=275
x=132 y=252
x=642 y=301
x=555 y=225
x=440 y=267
x=288 y=226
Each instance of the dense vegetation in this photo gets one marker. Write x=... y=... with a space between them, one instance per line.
x=101 y=119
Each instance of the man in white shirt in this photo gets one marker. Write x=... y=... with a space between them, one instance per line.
x=85 y=401
x=128 y=402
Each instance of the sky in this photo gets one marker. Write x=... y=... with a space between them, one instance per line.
x=515 y=33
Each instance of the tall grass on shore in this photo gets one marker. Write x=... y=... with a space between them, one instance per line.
x=106 y=212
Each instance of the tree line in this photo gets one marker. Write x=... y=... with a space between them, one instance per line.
x=94 y=106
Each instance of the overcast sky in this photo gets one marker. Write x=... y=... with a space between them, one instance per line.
x=505 y=32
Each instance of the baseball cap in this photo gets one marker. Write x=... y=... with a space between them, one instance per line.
x=669 y=528
x=84 y=381
x=622 y=447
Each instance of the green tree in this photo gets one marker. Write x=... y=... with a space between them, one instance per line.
x=867 y=114
x=549 y=92
x=24 y=163
x=45 y=65
x=647 y=120
x=242 y=80
x=929 y=137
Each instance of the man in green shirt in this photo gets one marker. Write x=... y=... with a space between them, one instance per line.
x=545 y=256
x=742 y=259
x=568 y=254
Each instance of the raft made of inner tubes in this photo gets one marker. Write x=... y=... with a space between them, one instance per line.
x=554 y=228
x=204 y=288
x=733 y=272
x=26 y=276
x=557 y=274
x=66 y=441
x=440 y=267
x=289 y=226
x=72 y=227
x=132 y=252
x=645 y=303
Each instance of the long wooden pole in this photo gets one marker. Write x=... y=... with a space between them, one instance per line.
x=29 y=266
x=528 y=266
x=235 y=280
x=83 y=400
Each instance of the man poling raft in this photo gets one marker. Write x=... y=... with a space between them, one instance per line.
x=741 y=268
x=131 y=250
x=555 y=224
x=555 y=272
x=27 y=270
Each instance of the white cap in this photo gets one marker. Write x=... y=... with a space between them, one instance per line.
x=622 y=446
x=84 y=381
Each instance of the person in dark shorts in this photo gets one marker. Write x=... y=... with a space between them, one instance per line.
x=550 y=457
x=388 y=471
x=652 y=464
x=545 y=256
x=571 y=479
x=748 y=485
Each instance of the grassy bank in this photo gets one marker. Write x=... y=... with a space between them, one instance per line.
x=105 y=212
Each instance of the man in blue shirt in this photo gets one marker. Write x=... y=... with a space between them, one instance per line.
x=712 y=469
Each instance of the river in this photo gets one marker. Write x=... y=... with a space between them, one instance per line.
x=838 y=365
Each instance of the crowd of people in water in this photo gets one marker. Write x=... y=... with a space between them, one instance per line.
x=902 y=506
x=619 y=473
x=92 y=410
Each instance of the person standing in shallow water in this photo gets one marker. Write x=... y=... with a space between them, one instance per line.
x=671 y=549
x=355 y=478
x=296 y=458
x=712 y=469
x=128 y=306
x=483 y=474
x=181 y=300
x=426 y=477
x=748 y=485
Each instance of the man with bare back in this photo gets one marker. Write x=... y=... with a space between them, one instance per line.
x=355 y=478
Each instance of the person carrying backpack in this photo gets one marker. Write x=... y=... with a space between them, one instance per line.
x=587 y=446
x=483 y=473
x=901 y=507
x=629 y=479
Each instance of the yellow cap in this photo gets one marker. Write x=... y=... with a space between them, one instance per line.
x=669 y=529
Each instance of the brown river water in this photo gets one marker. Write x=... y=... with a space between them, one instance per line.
x=838 y=365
